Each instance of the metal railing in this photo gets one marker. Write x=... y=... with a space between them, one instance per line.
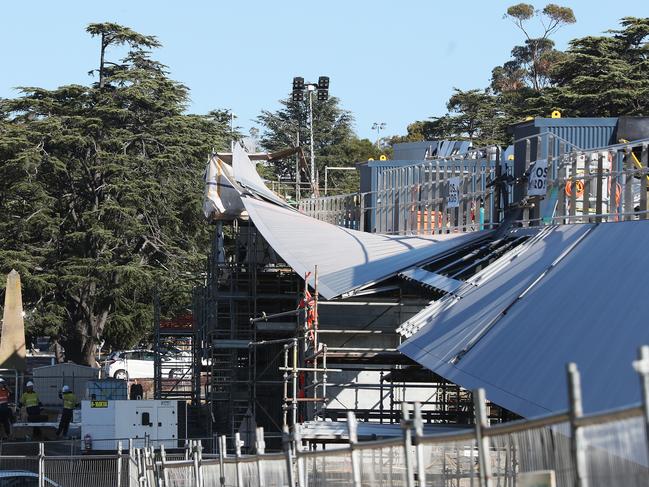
x=551 y=181
x=564 y=449
x=440 y=196
x=344 y=210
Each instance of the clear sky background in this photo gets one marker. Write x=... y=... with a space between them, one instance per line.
x=389 y=61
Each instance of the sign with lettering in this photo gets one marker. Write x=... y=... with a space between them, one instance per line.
x=453 y=200
x=537 y=184
x=98 y=404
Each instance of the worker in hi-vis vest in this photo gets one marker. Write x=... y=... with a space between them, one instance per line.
x=69 y=403
x=6 y=415
x=32 y=403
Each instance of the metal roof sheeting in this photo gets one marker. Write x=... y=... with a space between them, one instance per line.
x=346 y=259
x=432 y=279
x=246 y=174
x=575 y=295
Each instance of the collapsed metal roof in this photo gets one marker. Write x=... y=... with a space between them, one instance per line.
x=572 y=293
x=347 y=259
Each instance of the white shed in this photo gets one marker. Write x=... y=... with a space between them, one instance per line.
x=49 y=380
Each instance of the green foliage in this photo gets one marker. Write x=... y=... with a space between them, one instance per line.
x=532 y=62
x=606 y=75
x=100 y=186
x=475 y=115
x=335 y=143
x=521 y=11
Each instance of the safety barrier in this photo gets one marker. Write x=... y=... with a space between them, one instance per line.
x=564 y=449
x=552 y=181
x=567 y=449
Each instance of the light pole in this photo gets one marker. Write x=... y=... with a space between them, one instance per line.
x=322 y=87
x=311 y=88
x=378 y=126
x=232 y=115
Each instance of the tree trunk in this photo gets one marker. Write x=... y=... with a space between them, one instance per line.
x=101 y=62
x=58 y=352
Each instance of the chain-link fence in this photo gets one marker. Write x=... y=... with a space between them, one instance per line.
x=562 y=450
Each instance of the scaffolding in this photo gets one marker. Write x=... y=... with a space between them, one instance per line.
x=244 y=277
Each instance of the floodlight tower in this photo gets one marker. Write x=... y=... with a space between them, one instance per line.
x=378 y=126
x=322 y=87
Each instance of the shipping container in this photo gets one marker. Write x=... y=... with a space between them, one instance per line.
x=49 y=380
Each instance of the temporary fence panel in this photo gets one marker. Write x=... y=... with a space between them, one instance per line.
x=95 y=471
x=180 y=475
x=328 y=468
x=452 y=462
x=545 y=448
x=383 y=465
x=616 y=453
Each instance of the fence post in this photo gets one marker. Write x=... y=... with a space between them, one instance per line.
x=237 y=454
x=576 y=437
x=141 y=468
x=223 y=451
x=419 y=435
x=199 y=448
x=197 y=477
x=163 y=465
x=599 y=187
x=41 y=464
x=352 y=429
x=286 y=441
x=119 y=463
x=297 y=438
x=406 y=427
x=149 y=461
x=642 y=368
x=260 y=447
x=481 y=424
x=644 y=163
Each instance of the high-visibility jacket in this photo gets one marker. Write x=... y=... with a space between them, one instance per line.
x=4 y=395
x=29 y=399
x=69 y=400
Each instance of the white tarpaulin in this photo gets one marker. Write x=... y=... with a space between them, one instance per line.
x=222 y=199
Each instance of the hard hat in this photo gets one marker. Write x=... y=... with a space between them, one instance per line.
x=2 y=381
x=29 y=384
x=65 y=389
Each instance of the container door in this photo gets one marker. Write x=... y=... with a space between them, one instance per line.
x=168 y=426
x=143 y=423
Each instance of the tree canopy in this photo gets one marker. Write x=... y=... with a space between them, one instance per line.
x=335 y=143
x=597 y=76
x=100 y=186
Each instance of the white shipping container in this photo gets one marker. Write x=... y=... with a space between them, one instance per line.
x=105 y=422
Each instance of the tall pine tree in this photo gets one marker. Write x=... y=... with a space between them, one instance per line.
x=100 y=192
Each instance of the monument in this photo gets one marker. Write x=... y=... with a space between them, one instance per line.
x=12 y=335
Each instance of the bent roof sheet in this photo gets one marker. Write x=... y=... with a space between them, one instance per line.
x=246 y=174
x=589 y=308
x=346 y=259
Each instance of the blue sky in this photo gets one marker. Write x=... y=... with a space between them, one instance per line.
x=389 y=61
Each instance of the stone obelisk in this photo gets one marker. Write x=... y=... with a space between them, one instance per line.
x=12 y=338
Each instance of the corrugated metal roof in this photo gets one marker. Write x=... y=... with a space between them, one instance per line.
x=432 y=279
x=346 y=259
x=246 y=174
x=586 y=303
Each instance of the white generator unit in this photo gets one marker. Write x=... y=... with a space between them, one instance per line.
x=104 y=423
